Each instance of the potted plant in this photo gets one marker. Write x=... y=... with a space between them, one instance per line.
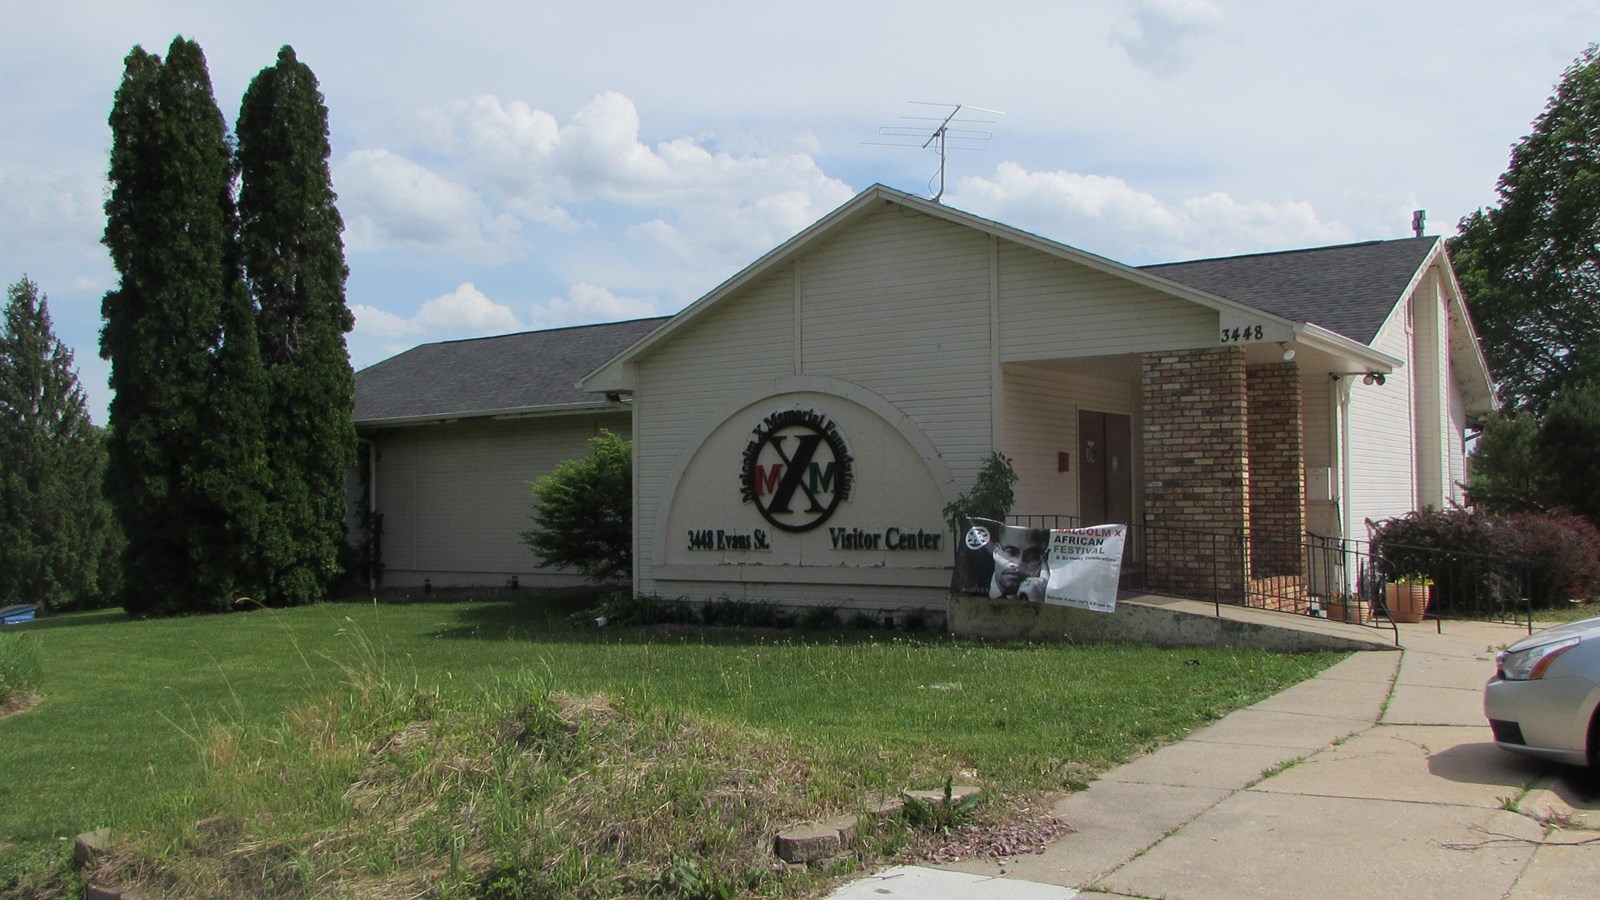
x=1407 y=597
x=1347 y=608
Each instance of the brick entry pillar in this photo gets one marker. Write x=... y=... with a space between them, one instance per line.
x=1277 y=473
x=1197 y=477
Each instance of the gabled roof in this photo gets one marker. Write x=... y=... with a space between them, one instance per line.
x=615 y=374
x=1349 y=289
x=533 y=371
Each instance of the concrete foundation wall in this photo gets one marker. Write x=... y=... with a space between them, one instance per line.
x=1157 y=621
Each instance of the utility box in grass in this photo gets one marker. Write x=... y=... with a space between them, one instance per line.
x=14 y=615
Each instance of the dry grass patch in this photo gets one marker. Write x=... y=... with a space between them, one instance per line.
x=522 y=792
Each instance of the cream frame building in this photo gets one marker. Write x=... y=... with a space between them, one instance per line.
x=891 y=347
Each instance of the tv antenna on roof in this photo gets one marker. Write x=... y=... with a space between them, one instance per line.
x=943 y=137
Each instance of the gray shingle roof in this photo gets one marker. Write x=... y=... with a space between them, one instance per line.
x=481 y=376
x=1349 y=289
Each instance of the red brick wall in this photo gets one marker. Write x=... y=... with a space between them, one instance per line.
x=1277 y=473
x=1197 y=470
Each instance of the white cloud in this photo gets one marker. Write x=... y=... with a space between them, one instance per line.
x=522 y=161
x=376 y=322
x=392 y=203
x=1108 y=216
x=587 y=303
x=465 y=311
x=1161 y=34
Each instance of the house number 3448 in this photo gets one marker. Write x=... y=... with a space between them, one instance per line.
x=1240 y=334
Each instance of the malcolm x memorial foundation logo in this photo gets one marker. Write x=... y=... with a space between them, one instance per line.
x=797 y=469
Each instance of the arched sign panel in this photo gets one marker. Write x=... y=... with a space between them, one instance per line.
x=806 y=479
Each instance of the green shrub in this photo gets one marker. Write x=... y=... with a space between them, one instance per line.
x=991 y=496
x=19 y=666
x=583 y=516
x=745 y=614
x=862 y=620
x=1483 y=564
x=820 y=618
x=628 y=608
x=1561 y=552
x=916 y=619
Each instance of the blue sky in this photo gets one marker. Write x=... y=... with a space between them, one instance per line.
x=513 y=165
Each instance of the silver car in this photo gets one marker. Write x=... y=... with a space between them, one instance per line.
x=1542 y=698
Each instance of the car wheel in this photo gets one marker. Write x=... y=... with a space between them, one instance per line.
x=1593 y=754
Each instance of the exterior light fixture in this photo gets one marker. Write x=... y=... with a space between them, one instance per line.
x=1288 y=351
x=1369 y=377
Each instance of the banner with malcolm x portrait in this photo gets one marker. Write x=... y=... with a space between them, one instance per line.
x=1083 y=567
x=1077 y=567
x=999 y=560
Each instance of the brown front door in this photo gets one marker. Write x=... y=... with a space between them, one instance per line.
x=1105 y=468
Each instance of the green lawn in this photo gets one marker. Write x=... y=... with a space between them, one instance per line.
x=129 y=706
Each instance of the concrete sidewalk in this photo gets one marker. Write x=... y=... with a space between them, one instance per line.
x=1378 y=778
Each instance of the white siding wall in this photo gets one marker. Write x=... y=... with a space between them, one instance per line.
x=690 y=379
x=1052 y=309
x=1041 y=419
x=900 y=306
x=897 y=305
x=1455 y=444
x=1382 y=449
x=455 y=498
x=1430 y=375
x=1317 y=392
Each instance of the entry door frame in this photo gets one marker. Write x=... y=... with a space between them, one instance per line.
x=1105 y=467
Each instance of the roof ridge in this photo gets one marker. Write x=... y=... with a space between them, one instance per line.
x=1346 y=246
x=510 y=334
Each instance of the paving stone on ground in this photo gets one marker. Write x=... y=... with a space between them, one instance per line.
x=1205 y=764
x=918 y=883
x=1416 y=763
x=1438 y=670
x=1369 y=668
x=1275 y=728
x=1114 y=822
x=1257 y=844
x=1330 y=698
x=1426 y=705
x=1567 y=797
x=1569 y=872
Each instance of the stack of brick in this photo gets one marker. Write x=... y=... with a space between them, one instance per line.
x=1197 y=464
x=1277 y=476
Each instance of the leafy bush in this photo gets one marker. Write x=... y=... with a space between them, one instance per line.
x=1561 y=552
x=861 y=620
x=628 y=608
x=1481 y=563
x=991 y=497
x=916 y=619
x=820 y=618
x=19 y=666
x=583 y=515
x=941 y=816
x=745 y=614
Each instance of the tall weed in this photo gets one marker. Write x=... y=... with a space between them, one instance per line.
x=19 y=666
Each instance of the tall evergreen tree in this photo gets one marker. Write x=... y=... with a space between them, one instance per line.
x=294 y=265
x=55 y=525
x=176 y=361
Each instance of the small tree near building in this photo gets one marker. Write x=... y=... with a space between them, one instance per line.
x=583 y=512
x=1507 y=473
x=1569 y=445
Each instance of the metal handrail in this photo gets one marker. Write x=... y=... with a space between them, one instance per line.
x=1309 y=574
